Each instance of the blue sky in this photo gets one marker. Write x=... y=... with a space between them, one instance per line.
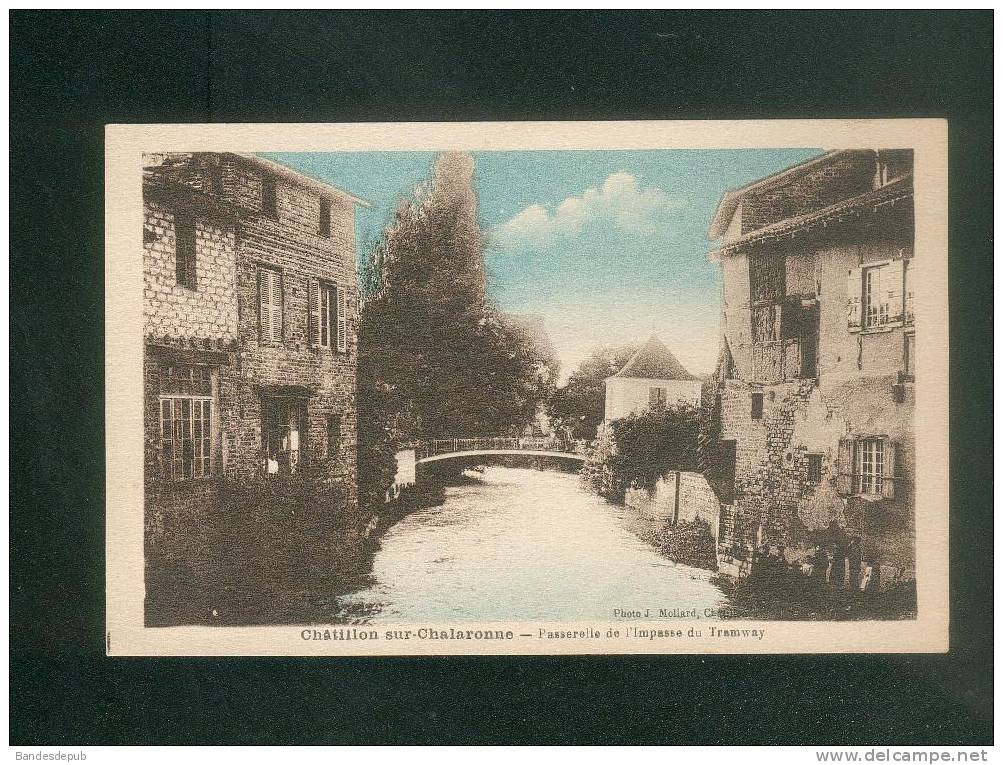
x=605 y=245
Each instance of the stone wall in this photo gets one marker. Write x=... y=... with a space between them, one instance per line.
x=207 y=313
x=292 y=244
x=696 y=500
x=777 y=505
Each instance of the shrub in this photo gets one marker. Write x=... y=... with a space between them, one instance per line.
x=268 y=550
x=639 y=449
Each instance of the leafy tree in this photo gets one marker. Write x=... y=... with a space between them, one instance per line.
x=650 y=444
x=580 y=405
x=639 y=449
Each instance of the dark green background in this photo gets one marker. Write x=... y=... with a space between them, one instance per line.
x=73 y=72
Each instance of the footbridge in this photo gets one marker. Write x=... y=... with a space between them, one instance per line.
x=440 y=449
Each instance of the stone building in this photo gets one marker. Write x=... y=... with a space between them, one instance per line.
x=814 y=400
x=651 y=379
x=250 y=306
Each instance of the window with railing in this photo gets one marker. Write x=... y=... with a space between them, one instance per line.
x=880 y=295
x=876 y=300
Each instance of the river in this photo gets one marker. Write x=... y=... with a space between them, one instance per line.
x=522 y=545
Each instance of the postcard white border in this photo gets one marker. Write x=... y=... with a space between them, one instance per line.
x=125 y=144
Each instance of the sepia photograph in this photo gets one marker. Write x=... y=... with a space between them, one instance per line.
x=534 y=377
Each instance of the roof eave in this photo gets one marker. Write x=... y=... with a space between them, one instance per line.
x=894 y=191
x=295 y=176
x=731 y=197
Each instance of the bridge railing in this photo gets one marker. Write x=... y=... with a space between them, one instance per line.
x=438 y=446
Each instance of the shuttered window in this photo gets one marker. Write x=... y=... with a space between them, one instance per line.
x=909 y=356
x=269 y=197
x=323 y=313
x=879 y=296
x=333 y=434
x=657 y=398
x=908 y=280
x=853 y=299
x=342 y=322
x=814 y=464
x=270 y=305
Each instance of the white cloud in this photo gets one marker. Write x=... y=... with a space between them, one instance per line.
x=621 y=201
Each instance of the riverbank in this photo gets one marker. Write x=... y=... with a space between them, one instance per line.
x=688 y=542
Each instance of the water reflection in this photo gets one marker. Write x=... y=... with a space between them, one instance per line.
x=522 y=545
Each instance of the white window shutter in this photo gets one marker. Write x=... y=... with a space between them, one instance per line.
x=342 y=321
x=276 y=307
x=325 y=316
x=314 y=313
x=264 y=304
x=853 y=292
x=270 y=305
x=888 y=470
x=893 y=282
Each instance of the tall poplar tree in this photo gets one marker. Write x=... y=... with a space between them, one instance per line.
x=436 y=359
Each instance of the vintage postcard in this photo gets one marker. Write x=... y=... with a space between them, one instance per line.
x=527 y=388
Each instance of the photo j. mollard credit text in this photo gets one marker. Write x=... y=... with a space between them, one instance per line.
x=527 y=388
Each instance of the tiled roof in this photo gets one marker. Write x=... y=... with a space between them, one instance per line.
x=731 y=198
x=889 y=194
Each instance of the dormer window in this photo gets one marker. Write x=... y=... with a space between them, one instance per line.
x=269 y=202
